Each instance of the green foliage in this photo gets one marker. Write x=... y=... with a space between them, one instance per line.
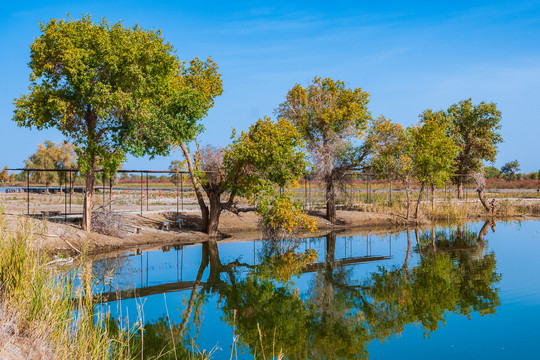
x=332 y=120
x=20 y=176
x=474 y=128
x=391 y=153
x=510 y=170
x=163 y=340
x=491 y=172
x=282 y=218
x=433 y=152
x=177 y=166
x=534 y=175
x=338 y=318
x=51 y=156
x=326 y=111
x=452 y=278
x=267 y=316
x=104 y=86
x=268 y=155
x=282 y=266
x=114 y=90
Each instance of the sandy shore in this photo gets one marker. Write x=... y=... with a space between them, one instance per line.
x=146 y=230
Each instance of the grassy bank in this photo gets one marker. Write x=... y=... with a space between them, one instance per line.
x=45 y=313
x=42 y=312
x=443 y=209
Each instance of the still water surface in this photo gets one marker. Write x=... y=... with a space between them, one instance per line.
x=469 y=291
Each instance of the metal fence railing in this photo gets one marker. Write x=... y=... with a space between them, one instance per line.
x=165 y=190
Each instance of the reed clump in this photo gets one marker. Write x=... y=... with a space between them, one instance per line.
x=47 y=312
x=446 y=210
x=509 y=209
x=43 y=311
x=453 y=211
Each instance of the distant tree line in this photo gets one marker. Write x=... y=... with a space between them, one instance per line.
x=510 y=171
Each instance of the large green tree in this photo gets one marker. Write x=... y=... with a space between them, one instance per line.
x=510 y=170
x=332 y=119
x=113 y=90
x=391 y=153
x=474 y=128
x=267 y=156
x=432 y=152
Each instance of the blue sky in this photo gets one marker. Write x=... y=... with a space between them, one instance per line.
x=410 y=56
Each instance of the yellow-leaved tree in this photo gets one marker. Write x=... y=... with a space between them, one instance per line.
x=332 y=120
x=266 y=157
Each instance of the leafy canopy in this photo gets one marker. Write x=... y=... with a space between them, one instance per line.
x=269 y=154
x=113 y=89
x=510 y=169
x=326 y=109
x=474 y=129
x=4 y=175
x=51 y=156
x=330 y=117
x=391 y=153
x=433 y=152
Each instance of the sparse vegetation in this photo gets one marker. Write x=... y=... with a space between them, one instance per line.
x=41 y=305
x=108 y=222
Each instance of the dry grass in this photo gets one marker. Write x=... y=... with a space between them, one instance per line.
x=45 y=315
x=107 y=222
x=43 y=312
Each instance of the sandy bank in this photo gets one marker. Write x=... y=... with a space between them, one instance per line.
x=145 y=231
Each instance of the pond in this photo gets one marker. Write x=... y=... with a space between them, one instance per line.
x=470 y=291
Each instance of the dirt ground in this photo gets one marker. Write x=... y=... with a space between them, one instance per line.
x=143 y=225
x=146 y=230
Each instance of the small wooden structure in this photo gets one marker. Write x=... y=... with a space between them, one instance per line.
x=47 y=213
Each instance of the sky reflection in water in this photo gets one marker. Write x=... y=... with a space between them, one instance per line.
x=452 y=291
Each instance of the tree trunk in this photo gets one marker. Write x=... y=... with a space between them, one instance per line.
x=209 y=214
x=483 y=232
x=408 y=193
x=433 y=244
x=432 y=199
x=205 y=213
x=330 y=199
x=418 y=244
x=87 y=206
x=327 y=297
x=418 y=202
x=330 y=249
x=212 y=222
x=490 y=208
x=88 y=300
x=215 y=263
x=460 y=188
x=406 y=262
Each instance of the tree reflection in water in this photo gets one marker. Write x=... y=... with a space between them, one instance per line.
x=336 y=318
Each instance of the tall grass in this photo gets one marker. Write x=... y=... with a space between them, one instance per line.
x=48 y=314
x=44 y=310
x=444 y=209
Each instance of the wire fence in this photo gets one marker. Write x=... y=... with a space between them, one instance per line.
x=172 y=191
